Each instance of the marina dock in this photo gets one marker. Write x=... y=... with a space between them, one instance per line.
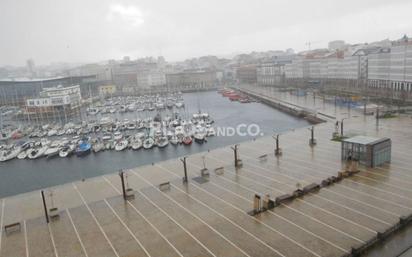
x=208 y=215
x=287 y=107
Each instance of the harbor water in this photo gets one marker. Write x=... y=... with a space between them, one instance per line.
x=19 y=176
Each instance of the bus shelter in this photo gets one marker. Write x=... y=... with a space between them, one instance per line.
x=369 y=151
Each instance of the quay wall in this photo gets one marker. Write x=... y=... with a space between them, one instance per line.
x=285 y=107
x=404 y=222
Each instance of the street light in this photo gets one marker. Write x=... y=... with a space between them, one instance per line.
x=238 y=162
x=278 y=151
x=312 y=140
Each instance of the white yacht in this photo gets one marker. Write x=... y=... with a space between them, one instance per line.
x=121 y=145
x=92 y=111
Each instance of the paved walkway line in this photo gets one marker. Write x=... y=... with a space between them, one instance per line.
x=95 y=220
x=254 y=218
x=325 y=161
x=363 y=184
x=233 y=206
x=367 y=170
x=311 y=204
x=283 y=192
x=128 y=229
x=52 y=240
x=25 y=238
x=296 y=225
x=77 y=233
x=325 y=147
x=145 y=219
x=329 y=174
x=178 y=224
x=194 y=215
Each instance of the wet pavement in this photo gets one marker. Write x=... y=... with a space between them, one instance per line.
x=210 y=218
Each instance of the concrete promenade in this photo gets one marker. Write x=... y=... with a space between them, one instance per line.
x=210 y=218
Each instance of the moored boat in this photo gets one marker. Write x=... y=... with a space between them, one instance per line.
x=137 y=144
x=121 y=145
x=117 y=135
x=97 y=147
x=174 y=140
x=22 y=155
x=83 y=149
x=52 y=152
x=9 y=154
x=66 y=151
x=200 y=134
x=148 y=143
x=162 y=142
x=187 y=140
x=37 y=152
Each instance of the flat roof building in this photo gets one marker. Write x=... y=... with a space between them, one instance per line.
x=247 y=73
x=17 y=91
x=270 y=74
x=369 y=151
x=54 y=104
x=191 y=80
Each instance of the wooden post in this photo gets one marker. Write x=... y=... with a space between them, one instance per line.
x=45 y=206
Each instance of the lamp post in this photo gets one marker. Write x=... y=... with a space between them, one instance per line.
x=312 y=140
x=278 y=151
x=44 y=206
x=121 y=174
x=183 y=160
x=238 y=162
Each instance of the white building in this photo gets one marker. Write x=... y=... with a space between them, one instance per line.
x=328 y=66
x=379 y=64
x=348 y=68
x=270 y=74
x=57 y=96
x=401 y=62
x=401 y=66
x=151 y=78
x=294 y=69
x=311 y=68
x=391 y=68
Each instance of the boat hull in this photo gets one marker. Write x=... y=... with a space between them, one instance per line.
x=81 y=153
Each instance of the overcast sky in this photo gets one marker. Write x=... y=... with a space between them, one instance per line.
x=95 y=30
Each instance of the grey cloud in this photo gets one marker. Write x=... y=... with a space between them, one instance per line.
x=80 y=31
